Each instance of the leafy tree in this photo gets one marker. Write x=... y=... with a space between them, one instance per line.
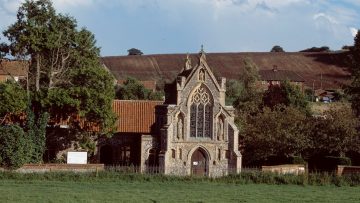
x=309 y=94
x=336 y=133
x=66 y=77
x=29 y=34
x=65 y=72
x=234 y=89
x=249 y=102
x=4 y=50
x=250 y=76
x=14 y=146
x=277 y=48
x=132 y=89
x=13 y=100
x=134 y=52
x=317 y=49
x=93 y=90
x=354 y=89
x=285 y=94
x=280 y=133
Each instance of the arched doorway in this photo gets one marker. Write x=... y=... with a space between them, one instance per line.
x=153 y=159
x=106 y=155
x=199 y=163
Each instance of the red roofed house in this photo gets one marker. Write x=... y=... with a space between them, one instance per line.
x=13 y=70
x=276 y=76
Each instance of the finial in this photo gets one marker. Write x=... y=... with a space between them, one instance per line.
x=187 y=62
x=202 y=53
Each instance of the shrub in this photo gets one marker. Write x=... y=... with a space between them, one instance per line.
x=15 y=147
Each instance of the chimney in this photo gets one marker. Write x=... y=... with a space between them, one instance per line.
x=275 y=68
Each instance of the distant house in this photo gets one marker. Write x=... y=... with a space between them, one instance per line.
x=13 y=70
x=275 y=76
x=325 y=96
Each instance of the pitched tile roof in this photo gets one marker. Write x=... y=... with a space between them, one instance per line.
x=135 y=116
x=328 y=68
x=13 y=68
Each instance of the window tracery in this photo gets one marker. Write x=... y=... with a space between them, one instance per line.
x=201 y=114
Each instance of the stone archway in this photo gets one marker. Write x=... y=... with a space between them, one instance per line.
x=199 y=163
x=106 y=155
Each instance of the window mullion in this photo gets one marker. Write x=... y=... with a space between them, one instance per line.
x=196 y=121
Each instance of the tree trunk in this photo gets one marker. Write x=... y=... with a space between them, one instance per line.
x=37 y=78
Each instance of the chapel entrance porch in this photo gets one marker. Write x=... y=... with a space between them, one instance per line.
x=199 y=163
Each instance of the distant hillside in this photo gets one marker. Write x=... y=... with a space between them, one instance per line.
x=330 y=69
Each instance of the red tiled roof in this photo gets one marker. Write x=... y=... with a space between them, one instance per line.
x=331 y=67
x=135 y=116
x=13 y=68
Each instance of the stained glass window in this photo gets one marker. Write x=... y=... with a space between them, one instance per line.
x=193 y=120
x=200 y=120
x=208 y=120
x=201 y=114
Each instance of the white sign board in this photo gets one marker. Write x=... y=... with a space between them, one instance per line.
x=76 y=158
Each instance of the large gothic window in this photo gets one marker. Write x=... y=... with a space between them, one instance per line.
x=201 y=114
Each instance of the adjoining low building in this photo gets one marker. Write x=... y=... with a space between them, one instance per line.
x=13 y=70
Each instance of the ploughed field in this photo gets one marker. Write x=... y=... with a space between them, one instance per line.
x=158 y=190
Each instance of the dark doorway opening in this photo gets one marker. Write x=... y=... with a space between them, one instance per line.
x=199 y=163
x=106 y=155
x=153 y=158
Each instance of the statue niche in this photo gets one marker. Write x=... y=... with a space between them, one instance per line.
x=202 y=75
x=180 y=127
x=220 y=129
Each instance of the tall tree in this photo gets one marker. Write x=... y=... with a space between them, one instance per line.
x=249 y=100
x=29 y=35
x=354 y=89
x=279 y=133
x=65 y=71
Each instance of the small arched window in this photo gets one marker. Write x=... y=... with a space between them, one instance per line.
x=201 y=113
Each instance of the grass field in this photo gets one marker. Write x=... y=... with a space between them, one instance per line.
x=168 y=191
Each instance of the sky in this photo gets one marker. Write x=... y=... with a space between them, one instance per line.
x=181 y=26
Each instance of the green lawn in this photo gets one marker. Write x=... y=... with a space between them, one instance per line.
x=171 y=191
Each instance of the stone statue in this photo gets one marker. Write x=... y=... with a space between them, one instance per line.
x=180 y=129
x=202 y=75
x=220 y=129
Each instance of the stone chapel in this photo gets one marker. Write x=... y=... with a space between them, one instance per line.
x=197 y=134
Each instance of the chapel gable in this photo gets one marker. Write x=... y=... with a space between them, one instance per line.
x=198 y=134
